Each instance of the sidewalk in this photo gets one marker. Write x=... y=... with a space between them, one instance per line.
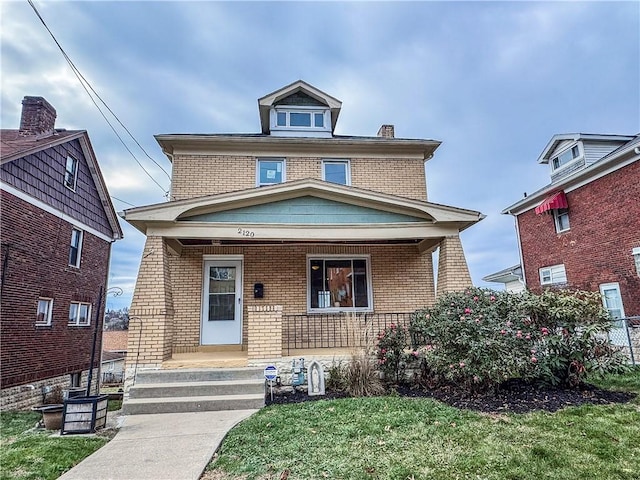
x=165 y=446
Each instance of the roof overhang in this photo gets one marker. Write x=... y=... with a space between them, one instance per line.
x=268 y=101
x=434 y=221
x=265 y=145
x=87 y=149
x=619 y=158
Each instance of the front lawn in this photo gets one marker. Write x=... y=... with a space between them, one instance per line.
x=404 y=438
x=28 y=453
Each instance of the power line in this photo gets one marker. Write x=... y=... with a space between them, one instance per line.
x=119 y=200
x=84 y=82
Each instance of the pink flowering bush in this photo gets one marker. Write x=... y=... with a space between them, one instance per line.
x=480 y=338
x=391 y=352
x=573 y=326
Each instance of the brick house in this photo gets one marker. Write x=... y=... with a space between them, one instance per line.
x=582 y=230
x=271 y=239
x=58 y=225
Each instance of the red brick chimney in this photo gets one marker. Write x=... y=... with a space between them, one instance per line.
x=386 y=131
x=38 y=117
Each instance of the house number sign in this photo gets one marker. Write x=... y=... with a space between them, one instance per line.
x=245 y=233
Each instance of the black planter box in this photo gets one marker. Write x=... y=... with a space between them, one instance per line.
x=84 y=414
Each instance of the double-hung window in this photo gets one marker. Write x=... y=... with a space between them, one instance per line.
x=75 y=249
x=339 y=283
x=43 y=314
x=561 y=219
x=270 y=171
x=71 y=173
x=336 y=171
x=79 y=314
x=553 y=275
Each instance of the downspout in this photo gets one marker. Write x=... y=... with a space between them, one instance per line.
x=524 y=275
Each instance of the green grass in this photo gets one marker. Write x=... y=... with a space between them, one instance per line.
x=28 y=453
x=401 y=438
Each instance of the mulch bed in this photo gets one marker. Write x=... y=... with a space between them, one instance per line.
x=511 y=397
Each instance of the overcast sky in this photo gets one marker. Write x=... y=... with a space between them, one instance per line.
x=492 y=80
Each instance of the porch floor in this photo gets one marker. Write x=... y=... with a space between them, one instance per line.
x=235 y=359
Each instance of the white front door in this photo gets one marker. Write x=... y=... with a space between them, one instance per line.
x=222 y=303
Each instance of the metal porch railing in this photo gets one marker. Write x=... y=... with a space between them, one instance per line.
x=337 y=330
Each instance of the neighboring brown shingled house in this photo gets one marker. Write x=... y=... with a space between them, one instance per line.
x=58 y=225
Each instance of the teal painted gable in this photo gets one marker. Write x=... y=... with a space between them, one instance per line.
x=304 y=210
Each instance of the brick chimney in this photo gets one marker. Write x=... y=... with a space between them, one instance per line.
x=38 y=117
x=386 y=131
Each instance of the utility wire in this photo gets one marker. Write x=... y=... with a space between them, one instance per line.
x=120 y=200
x=83 y=81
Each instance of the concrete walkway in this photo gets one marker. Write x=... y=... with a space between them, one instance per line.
x=163 y=446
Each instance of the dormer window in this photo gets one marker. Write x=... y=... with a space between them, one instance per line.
x=300 y=119
x=565 y=157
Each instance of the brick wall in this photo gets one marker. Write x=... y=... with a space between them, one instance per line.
x=264 y=331
x=402 y=281
x=453 y=272
x=605 y=226
x=35 y=246
x=199 y=175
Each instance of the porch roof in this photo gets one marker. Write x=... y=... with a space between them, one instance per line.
x=302 y=211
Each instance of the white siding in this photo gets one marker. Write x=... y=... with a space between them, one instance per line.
x=514 y=286
x=594 y=151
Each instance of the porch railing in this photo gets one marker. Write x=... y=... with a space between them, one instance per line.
x=336 y=330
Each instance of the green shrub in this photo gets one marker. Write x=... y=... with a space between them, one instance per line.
x=574 y=326
x=477 y=338
x=391 y=352
x=480 y=338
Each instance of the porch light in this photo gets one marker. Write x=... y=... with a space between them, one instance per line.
x=636 y=257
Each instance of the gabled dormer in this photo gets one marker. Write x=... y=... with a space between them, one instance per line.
x=568 y=153
x=299 y=110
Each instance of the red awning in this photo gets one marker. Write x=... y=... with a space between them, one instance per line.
x=552 y=202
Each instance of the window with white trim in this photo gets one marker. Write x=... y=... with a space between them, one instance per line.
x=612 y=300
x=339 y=283
x=635 y=253
x=270 y=171
x=553 y=275
x=44 y=312
x=565 y=157
x=300 y=118
x=75 y=249
x=336 y=171
x=561 y=219
x=71 y=172
x=79 y=314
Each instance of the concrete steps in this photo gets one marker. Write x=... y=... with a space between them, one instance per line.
x=195 y=390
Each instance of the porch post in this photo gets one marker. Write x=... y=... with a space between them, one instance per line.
x=264 y=332
x=453 y=272
x=151 y=313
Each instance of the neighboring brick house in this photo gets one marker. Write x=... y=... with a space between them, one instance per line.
x=58 y=225
x=270 y=239
x=582 y=230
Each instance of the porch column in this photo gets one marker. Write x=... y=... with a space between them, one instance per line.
x=264 y=331
x=453 y=272
x=151 y=313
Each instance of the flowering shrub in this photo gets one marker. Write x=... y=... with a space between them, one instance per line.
x=573 y=325
x=391 y=352
x=479 y=338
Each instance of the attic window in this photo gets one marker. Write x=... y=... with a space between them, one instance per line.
x=300 y=119
x=565 y=157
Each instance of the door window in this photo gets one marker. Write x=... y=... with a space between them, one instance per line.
x=222 y=293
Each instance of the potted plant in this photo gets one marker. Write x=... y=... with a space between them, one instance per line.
x=52 y=408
